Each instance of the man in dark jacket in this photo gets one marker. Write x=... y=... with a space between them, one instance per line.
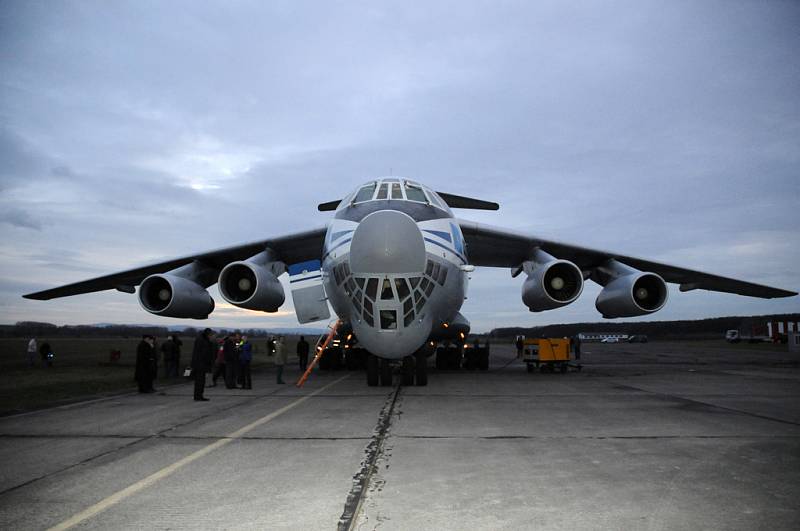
x=202 y=360
x=302 y=353
x=231 y=352
x=171 y=351
x=146 y=364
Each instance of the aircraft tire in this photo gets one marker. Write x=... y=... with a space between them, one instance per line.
x=386 y=373
x=421 y=369
x=372 y=370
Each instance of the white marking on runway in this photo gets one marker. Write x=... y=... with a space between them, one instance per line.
x=166 y=471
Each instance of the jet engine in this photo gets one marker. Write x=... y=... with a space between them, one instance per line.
x=631 y=295
x=551 y=283
x=169 y=295
x=251 y=285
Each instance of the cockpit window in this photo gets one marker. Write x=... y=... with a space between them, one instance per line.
x=386 y=290
x=397 y=192
x=388 y=319
x=383 y=192
x=414 y=193
x=365 y=194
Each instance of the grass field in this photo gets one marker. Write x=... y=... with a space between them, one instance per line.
x=81 y=369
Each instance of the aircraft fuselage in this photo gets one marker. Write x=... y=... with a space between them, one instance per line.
x=392 y=265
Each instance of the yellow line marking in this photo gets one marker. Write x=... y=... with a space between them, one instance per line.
x=166 y=471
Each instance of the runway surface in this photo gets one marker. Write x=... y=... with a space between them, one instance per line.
x=647 y=436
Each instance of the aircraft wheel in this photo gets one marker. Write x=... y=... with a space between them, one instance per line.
x=421 y=369
x=372 y=370
x=386 y=373
x=408 y=370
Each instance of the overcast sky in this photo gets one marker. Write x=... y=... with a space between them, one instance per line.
x=136 y=131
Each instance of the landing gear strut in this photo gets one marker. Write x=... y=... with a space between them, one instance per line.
x=408 y=371
x=372 y=370
x=386 y=373
x=421 y=368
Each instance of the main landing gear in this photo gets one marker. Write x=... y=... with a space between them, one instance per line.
x=413 y=369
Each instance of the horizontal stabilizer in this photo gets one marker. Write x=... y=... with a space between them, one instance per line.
x=330 y=205
x=459 y=201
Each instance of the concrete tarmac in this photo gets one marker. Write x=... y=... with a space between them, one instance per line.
x=646 y=436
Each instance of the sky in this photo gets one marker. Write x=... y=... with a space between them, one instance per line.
x=135 y=131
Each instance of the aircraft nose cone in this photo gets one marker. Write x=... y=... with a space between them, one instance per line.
x=387 y=241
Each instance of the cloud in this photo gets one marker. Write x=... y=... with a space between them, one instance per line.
x=135 y=132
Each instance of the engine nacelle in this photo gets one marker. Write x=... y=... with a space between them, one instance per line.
x=632 y=295
x=252 y=286
x=173 y=296
x=551 y=285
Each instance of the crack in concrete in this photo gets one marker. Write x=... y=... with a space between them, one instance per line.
x=369 y=466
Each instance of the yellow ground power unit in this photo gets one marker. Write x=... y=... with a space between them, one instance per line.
x=548 y=354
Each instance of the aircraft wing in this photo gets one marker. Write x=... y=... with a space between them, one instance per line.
x=496 y=247
x=291 y=248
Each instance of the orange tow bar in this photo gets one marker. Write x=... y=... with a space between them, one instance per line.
x=320 y=350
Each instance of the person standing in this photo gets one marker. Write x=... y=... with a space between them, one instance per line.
x=170 y=360
x=202 y=359
x=576 y=344
x=32 y=349
x=46 y=352
x=245 y=357
x=231 y=360
x=145 y=364
x=219 y=364
x=302 y=353
x=280 y=359
x=520 y=343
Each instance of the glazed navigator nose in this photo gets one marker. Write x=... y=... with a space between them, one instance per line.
x=387 y=241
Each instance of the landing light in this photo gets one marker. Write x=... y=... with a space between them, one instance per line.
x=461 y=334
x=349 y=337
x=445 y=325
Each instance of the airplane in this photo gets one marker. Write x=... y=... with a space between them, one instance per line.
x=394 y=264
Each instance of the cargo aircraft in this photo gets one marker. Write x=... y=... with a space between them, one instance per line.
x=394 y=263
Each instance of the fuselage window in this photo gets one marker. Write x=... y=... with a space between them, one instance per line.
x=367 y=306
x=383 y=192
x=409 y=318
x=388 y=319
x=365 y=194
x=397 y=192
x=408 y=305
x=386 y=290
x=435 y=272
x=429 y=268
x=368 y=318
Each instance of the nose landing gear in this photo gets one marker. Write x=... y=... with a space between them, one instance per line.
x=413 y=369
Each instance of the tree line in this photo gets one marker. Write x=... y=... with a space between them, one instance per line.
x=696 y=329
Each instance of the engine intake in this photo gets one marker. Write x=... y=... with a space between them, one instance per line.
x=173 y=296
x=551 y=284
x=252 y=286
x=632 y=295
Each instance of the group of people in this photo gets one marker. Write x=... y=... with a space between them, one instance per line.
x=147 y=361
x=231 y=360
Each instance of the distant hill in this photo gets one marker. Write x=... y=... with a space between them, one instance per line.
x=698 y=329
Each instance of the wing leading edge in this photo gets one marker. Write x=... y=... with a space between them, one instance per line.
x=496 y=247
x=292 y=248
